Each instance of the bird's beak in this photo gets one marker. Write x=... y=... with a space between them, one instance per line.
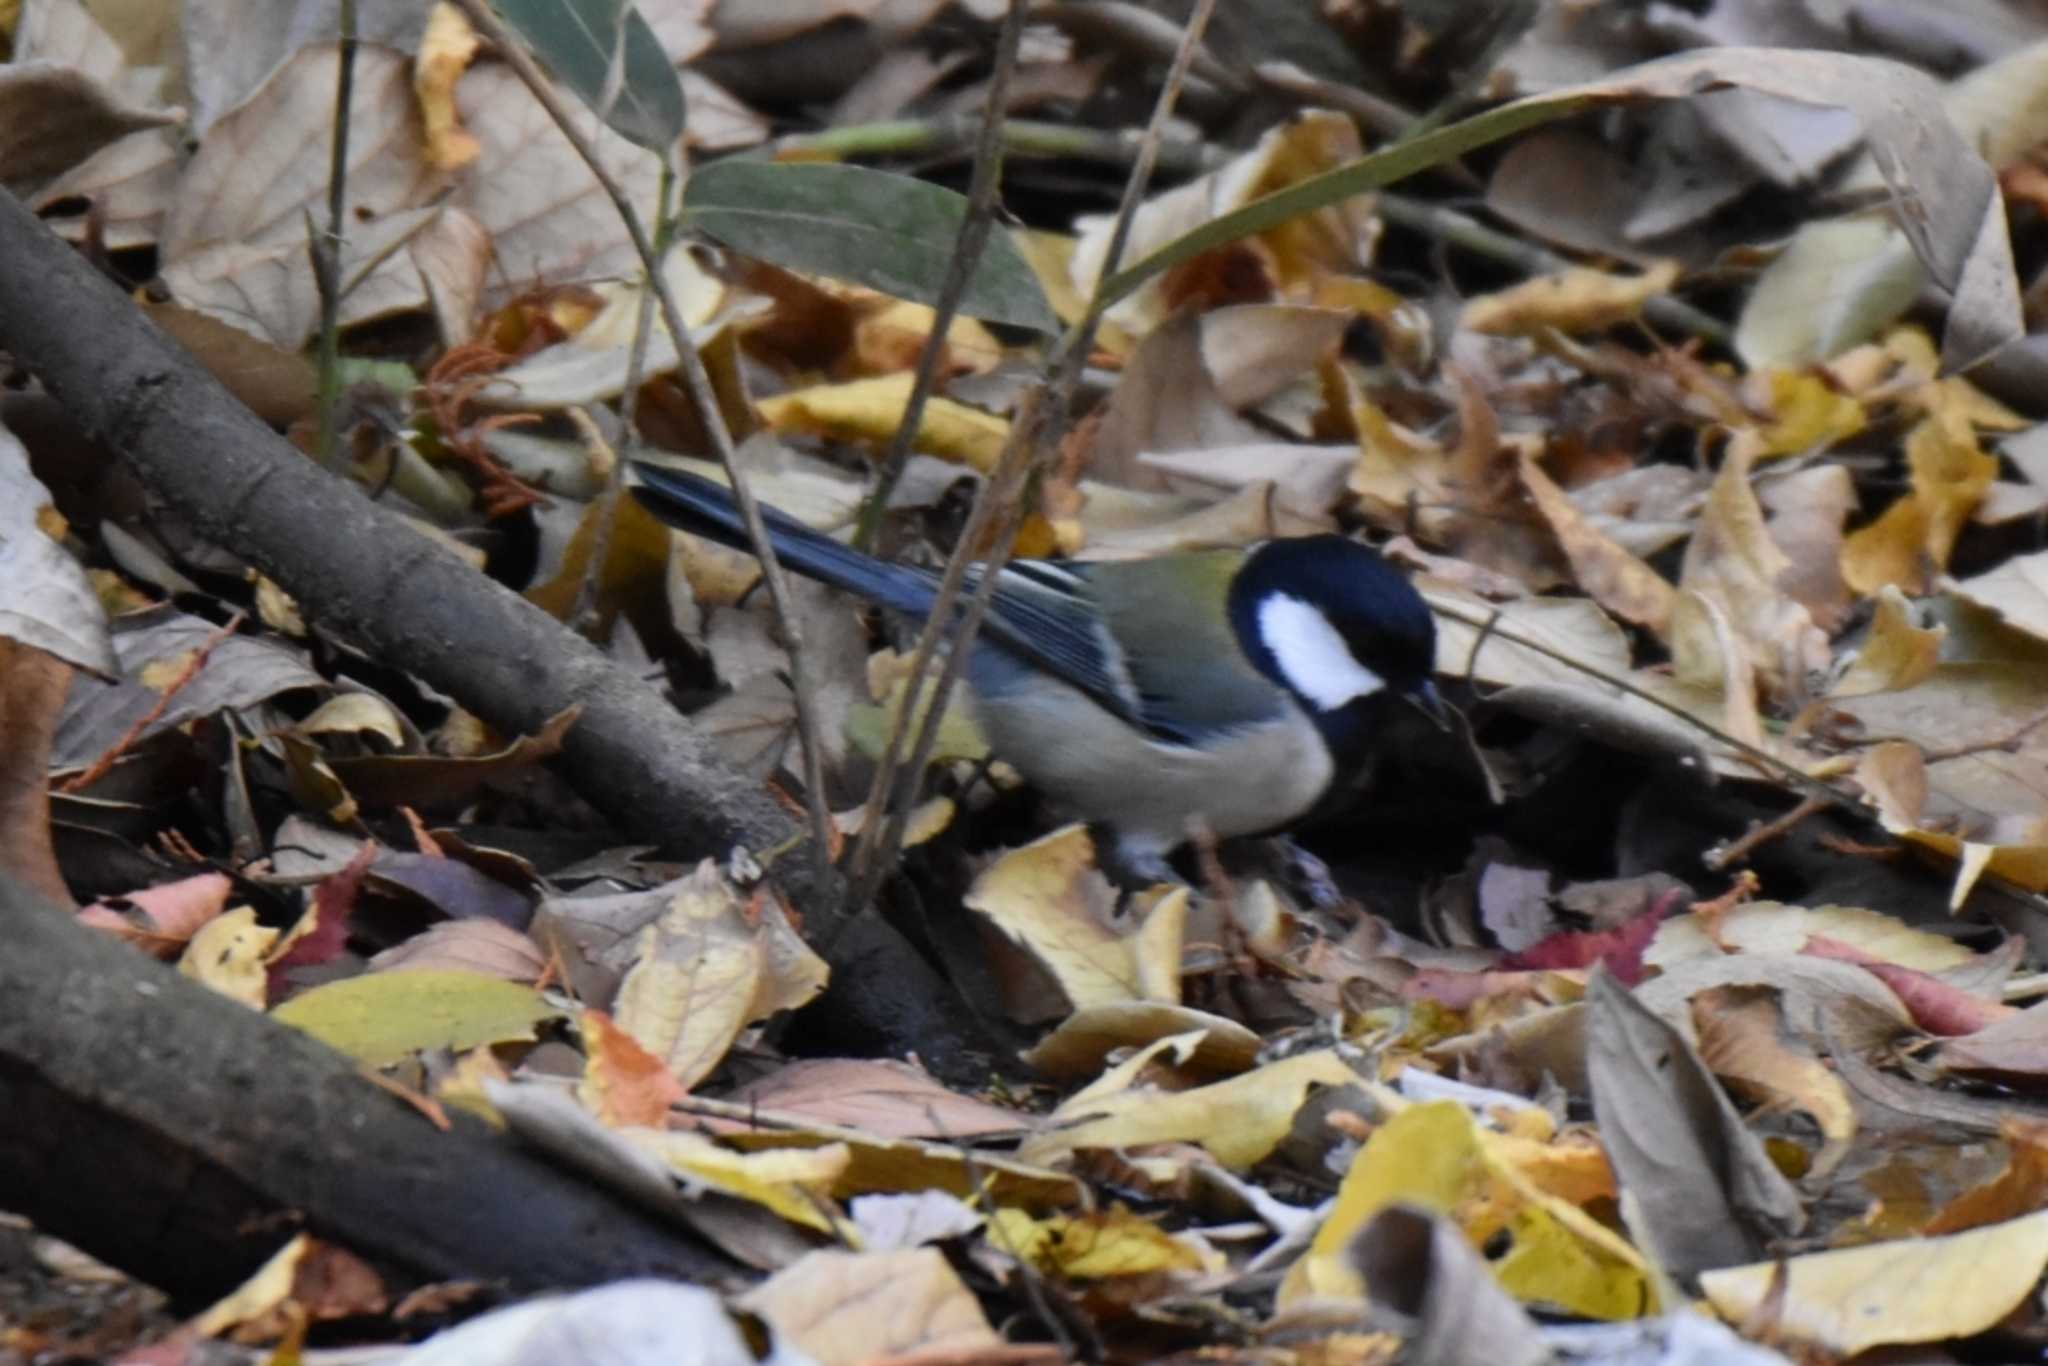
x=1430 y=703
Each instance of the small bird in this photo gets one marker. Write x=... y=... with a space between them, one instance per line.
x=1228 y=689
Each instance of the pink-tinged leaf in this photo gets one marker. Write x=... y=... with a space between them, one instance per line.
x=1620 y=949
x=1936 y=1007
x=334 y=900
x=1454 y=989
x=160 y=920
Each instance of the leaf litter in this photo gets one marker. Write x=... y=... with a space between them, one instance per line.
x=1664 y=993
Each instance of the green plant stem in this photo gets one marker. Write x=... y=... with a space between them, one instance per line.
x=959 y=133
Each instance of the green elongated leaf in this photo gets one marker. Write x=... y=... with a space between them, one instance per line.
x=381 y=1017
x=604 y=51
x=889 y=232
x=1957 y=228
x=1368 y=173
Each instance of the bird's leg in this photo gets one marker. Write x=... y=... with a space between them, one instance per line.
x=1134 y=862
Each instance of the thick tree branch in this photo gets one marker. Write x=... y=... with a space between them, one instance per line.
x=183 y=1138
x=364 y=574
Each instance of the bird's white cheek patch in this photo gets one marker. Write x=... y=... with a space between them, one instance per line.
x=1312 y=655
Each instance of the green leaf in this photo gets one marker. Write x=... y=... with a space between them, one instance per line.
x=889 y=232
x=1373 y=172
x=604 y=51
x=381 y=1017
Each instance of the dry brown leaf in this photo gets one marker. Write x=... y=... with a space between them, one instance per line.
x=623 y=1084
x=2017 y=590
x=846 y=1307
x=1610 y=575
x=1733 y=563
x=878 y=1096
x=1742 y=1038
x=711 y=966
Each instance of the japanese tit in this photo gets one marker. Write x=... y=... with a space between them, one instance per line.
x=1226 y=687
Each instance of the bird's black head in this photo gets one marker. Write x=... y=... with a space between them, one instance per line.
x=1337 y=626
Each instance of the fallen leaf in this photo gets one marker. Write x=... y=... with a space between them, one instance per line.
x=1912 y=1290
x=382 y=1017
x=845 y=1307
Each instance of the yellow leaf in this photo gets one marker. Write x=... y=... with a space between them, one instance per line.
x=793 y=1183
x=1049 y=898
x=1239 y=1120
x=445 y=51
x=870 y=411
x=1112 y=1242
x=910 y=1165
x=229 y=954
x=1913 y=538
x=1576 y=300
x=1436 y=1156
x=266 y=1289
x=1912 y=1290
x=891 y=338
x=383 y=1016
x=1807 y=413
x=1897 y=654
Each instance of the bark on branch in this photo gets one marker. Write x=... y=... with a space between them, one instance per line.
x=364 y=574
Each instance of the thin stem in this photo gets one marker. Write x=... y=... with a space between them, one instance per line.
x=697 y=381
x=944 y=134
x=581 y=615
x=960 y=266
x=974 y=231
x=1035 y=430
x=327 y=247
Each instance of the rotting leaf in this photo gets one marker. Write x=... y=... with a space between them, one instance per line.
x=1706 y=1193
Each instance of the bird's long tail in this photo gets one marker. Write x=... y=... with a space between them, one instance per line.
x=695 y=504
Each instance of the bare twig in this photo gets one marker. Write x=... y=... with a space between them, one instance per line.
x=636 y=367
x=98 y=768
x=1040 y=418
x=327 y=246
x=1760 y=833
x=698 y=383
x=966 y=254
x=967 y=249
